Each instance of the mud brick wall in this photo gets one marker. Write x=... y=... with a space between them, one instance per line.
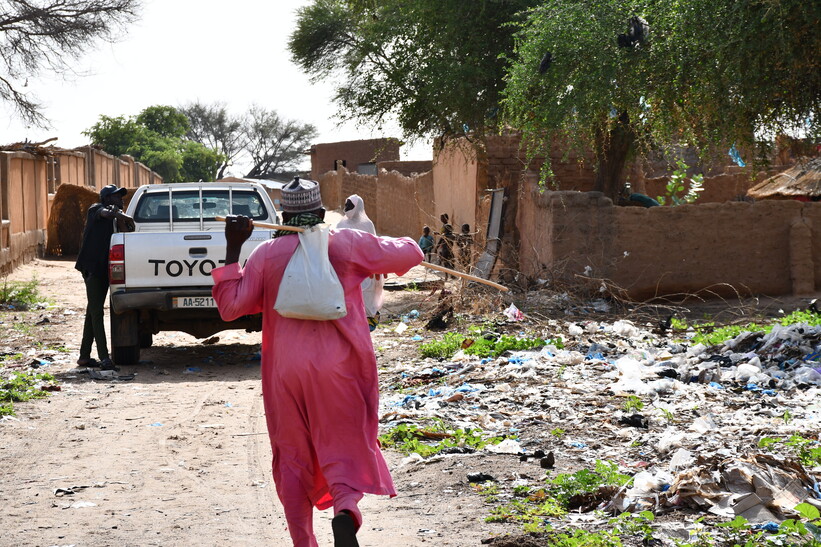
x=26 y=195
x=143 y=175
x=457 y=176
x=405 y=204
x=324 y=156
x=330 y=188
x=365 y=187
x=407 y=168
x=125 y=172
x=72 y=168
x=23 y=208
x=729 y=186
x=767 y=247
x=811 y=217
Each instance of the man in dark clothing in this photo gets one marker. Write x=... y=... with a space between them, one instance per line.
x=444 y=247
x=92 y=262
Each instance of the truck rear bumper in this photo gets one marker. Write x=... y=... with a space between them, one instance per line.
x=152 y=299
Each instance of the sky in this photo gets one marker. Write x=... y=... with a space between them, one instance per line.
x=182 y=51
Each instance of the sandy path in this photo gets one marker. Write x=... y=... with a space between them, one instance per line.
x=176 y=456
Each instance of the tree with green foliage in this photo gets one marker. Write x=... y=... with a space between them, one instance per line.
x=610 y=76
x=215 y=127
x=436 y=65
x=155 y=137
x=165 y=121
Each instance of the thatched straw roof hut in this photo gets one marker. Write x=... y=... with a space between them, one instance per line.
x=802 y=181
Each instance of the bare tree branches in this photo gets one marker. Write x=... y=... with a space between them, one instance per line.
x=47 y=35
x=275 y=144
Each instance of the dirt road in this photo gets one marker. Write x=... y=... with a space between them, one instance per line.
x=176 y=455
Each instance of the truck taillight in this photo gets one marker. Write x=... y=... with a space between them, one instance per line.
x=116 y=265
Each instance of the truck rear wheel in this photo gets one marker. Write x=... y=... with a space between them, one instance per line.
x=125 y=340
x=126 y=355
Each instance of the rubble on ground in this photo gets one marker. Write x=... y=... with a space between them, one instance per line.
x=705 y=431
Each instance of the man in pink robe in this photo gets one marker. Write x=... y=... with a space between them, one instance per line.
x=319 y=378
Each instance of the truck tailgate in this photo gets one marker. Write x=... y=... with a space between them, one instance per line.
x=177 y=259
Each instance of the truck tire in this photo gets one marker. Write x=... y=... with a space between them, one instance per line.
x=146 y=339
x=126 y=355
x=125 y=340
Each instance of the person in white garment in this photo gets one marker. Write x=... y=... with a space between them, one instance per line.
x=356 y=219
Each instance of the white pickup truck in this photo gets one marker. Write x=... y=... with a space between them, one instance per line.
x=160 y=274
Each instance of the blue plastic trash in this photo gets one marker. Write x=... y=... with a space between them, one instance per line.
x=736 y=156
x=715 y=385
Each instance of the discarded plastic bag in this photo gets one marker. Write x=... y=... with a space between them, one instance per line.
x=513 y=313
x=310 y=288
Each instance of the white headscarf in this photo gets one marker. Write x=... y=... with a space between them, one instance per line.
x=356 y=218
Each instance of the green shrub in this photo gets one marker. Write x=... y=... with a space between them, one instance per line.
x=19 y=295
x=22 y=386
x=481 y=344
x=409 y=438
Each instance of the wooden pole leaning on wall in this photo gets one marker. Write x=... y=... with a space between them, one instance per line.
x=425 y=264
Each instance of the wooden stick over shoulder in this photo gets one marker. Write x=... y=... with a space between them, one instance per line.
x=425 y=264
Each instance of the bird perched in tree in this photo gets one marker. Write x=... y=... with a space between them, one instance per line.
x=545 y=64
x=636 y=34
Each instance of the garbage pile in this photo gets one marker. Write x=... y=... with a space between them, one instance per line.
x=696 y=426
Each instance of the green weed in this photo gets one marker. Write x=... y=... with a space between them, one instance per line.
x=635 y=524
x=22 y=386
x=481 y=344
x=584 y=538
x=444 y=348
x=633 y=404
x=20 y=295
x=677 y=191
x=567 y=485
x=409 y=438
x=669 y=416
x=529 y=512
x=709 y=334
x=808 y=451
x=23 y=328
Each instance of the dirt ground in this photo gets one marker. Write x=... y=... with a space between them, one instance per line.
x=178 y=454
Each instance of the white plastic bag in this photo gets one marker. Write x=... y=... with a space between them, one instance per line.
x=372 y=294
x=310 y=288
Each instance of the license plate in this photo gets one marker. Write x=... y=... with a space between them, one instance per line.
x=194 y=302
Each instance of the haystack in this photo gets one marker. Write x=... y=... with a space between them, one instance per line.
x=800 y=181
x=68 y=216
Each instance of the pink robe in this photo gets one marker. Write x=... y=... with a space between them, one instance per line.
x=319 y=378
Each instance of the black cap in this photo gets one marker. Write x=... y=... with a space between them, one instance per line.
x=111 y=190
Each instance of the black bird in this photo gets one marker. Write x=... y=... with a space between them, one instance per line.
x=636 y=34
x=545 y=64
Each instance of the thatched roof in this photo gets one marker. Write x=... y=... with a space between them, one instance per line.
x=803 y=179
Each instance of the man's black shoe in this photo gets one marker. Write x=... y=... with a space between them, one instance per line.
x=344 y=529
x=106 y=364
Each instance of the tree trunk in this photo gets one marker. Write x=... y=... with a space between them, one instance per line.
x=613 y=149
